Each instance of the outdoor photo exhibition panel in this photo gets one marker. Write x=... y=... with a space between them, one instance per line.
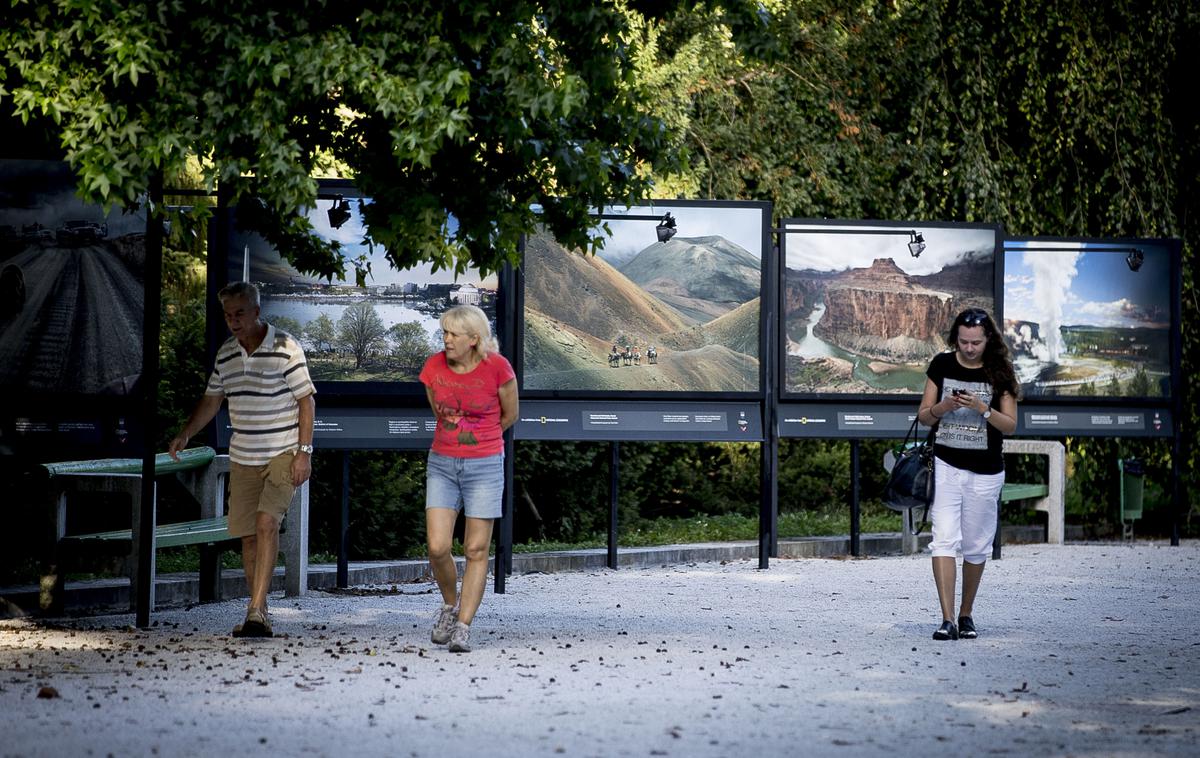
x=1093 y=327
x=72 y=303
x=866 y=305
x=863 y=307
x=1092 y=324
x=365 y=334
x=670 y=308
x=365 y=338
x=661 y=335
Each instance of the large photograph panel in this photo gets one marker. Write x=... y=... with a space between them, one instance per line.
x=680 y=316
x=866 y=306
x=1089 y=318
x=381 y=332
x=71 y=287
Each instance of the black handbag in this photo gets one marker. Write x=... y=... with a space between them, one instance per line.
x=911 y=482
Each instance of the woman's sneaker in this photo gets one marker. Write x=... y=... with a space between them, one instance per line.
x=460 y=638
x=443 y=625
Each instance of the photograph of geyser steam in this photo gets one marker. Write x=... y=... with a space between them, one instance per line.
x=71 y=292
x=378 y=332
x=642 y=315
x=866 y=306
x=1088 y=318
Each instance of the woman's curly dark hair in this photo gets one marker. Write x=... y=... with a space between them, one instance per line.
x=997 y=363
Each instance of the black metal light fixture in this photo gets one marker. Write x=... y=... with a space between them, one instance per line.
x=916 y=240
x=916 y=243
x=666 y=228
x=339 y=212
x=1135 y=259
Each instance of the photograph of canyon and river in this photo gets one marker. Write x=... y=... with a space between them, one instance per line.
x=1081 y=322
x=862 y=315
x=675 y=316
x=379 y=332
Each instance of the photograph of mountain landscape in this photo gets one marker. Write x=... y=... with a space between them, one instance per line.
x=381 y=331
x=863 y=314
x=1089 y=318
x=675 y=316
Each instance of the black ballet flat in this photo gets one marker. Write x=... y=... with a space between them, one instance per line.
x=966 y=628
x=947 y=631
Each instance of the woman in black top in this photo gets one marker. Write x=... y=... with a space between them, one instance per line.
x=971 y=395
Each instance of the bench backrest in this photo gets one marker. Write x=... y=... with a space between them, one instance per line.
x=192 y=458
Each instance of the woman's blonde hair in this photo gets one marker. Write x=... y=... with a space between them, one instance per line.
x=470 y=320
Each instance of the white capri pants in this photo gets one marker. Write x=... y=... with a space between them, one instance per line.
x=963 y=512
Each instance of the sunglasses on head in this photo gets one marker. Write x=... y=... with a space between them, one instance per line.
x=975 y=317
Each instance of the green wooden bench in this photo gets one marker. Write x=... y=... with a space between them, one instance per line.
x=204 y=474
x=1049 y=497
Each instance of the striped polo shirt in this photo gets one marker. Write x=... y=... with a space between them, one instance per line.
x=262 y=389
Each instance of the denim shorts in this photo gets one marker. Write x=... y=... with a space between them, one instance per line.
x=473 y=485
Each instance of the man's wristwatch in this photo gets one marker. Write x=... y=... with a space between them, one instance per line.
x=306 y=449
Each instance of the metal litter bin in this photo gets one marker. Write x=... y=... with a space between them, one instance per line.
x=1133 y=483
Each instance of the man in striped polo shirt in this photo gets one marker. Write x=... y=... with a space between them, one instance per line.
x=261 y=371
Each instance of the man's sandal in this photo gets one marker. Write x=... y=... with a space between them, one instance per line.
x=257 y=624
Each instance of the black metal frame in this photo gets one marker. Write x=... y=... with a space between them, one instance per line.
x=649 y=399
x=1116 y=246
x=765 y=290
x=771 y=395
x=357 y=394
x=791 y=226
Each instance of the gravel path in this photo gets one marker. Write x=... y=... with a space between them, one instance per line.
x=1083 y=650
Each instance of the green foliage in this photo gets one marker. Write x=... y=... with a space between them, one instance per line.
x=1051 y=118
x=283 y=323
x=1094 y=481
x=386 y=505
x=732 y=526
x=561 y=490
x=479 y=109
x=321 y=333
x=361 y=331
x=410 y=346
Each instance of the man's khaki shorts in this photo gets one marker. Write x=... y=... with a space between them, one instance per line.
x=255 y=489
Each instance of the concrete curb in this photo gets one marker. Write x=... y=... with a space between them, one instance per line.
x=184 y=588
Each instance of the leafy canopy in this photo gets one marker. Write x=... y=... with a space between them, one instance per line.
x=473 y=110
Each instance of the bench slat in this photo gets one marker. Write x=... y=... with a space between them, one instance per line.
x=1012 y=492
x=168 y=535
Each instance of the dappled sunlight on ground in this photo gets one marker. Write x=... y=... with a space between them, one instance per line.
x=831 y=657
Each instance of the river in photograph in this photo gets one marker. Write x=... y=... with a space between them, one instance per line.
x=811 y=346
x=305 y=310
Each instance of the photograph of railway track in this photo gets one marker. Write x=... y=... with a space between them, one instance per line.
x=71 y=286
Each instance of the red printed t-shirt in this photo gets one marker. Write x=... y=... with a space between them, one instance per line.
x=467 y=406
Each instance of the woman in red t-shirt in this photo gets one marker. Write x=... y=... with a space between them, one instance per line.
x=473 y=393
